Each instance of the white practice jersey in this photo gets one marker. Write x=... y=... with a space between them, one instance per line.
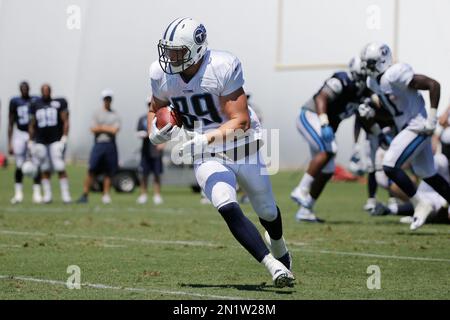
x=401 y=101
x=198 y=100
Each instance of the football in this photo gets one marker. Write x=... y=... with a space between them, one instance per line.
x=167 y=115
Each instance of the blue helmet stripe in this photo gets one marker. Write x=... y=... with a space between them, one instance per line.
x=167 y=30
x=175 y=28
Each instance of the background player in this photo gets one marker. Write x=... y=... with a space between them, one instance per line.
x=48 y=129
x=207 y=86
x=19 y=118
x=398 y=88
x=318 y=121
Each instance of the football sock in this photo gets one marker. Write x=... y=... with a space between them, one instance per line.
x=306 y=182
x=372 y=184
x=319 y=184
x=18 y=188
x=275 y=227
x=244 y=230
x=18 y=175
x=404 y=209
x=440 y=185
x=47 y=188
x=64 y=185
x=401 y=179
x=37 y=189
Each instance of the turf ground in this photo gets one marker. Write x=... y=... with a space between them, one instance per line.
x=183 y=250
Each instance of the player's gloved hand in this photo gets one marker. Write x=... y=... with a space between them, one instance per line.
x=62 y=143
x=31 y=147
x=365 y=111
x=425 y=126
x=158 y=136
x=197 y=143
x=326 y=130
x=384 y=140
x=327 y=133
x=430 y=124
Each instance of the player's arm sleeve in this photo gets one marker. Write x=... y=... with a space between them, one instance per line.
x=401 y=75
x=234 y=78
x=333 y=88
x=156 y=82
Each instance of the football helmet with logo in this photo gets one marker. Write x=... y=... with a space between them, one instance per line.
x=376 y=58
x=183 y=44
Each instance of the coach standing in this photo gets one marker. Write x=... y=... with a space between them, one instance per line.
x=104 y=156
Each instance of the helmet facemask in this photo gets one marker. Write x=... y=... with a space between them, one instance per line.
x=174 y=59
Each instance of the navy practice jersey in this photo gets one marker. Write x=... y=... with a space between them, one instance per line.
x=49 y=126
x=344 y=98
x=19 y=108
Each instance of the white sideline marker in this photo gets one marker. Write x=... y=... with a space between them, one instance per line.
x=108 y=287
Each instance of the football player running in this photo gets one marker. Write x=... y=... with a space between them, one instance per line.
x=19 y=117
x=48 y=129
x=318 y=121
x=398 y=87
x=207 y=86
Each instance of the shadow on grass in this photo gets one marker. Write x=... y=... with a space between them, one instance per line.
x=421 y=233
x=241 y=287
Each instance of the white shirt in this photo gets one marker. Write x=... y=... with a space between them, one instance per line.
x=393 y=89
x=198 y=100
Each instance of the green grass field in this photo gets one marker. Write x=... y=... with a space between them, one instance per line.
x=183 y=250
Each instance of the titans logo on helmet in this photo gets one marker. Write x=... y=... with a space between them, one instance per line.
x=200 y=34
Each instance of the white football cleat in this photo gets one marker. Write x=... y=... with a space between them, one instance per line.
x=407 y=219
x=106 y=199
x=307 y=215
x=18 y=198
x=157 y=199
x=421 y=212
x=142 y=199
x=37 y=198
x=66 y=198
x=370 y=204
x=302 y=197
x=282 y=277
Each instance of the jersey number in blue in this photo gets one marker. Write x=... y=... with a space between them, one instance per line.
x=203 y=105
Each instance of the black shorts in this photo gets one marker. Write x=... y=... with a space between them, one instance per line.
x=104 y=158
x=151 y=165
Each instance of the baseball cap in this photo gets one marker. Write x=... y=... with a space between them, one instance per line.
x=107 y=93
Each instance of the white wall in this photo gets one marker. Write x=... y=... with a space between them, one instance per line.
x=117 y=43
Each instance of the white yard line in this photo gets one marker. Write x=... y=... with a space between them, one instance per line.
x=210 y=244
x=108 y=287
x=146 y=241
x=94 y=210
x=371 y=255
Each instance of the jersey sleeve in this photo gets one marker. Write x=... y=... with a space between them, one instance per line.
x=400 y=75
x=12 y=106
x=233 y=79
x=156 y=81
x=64 y=105
x=333 y=88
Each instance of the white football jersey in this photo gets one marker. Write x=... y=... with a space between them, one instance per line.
x=402 y=102
x=198 y=100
